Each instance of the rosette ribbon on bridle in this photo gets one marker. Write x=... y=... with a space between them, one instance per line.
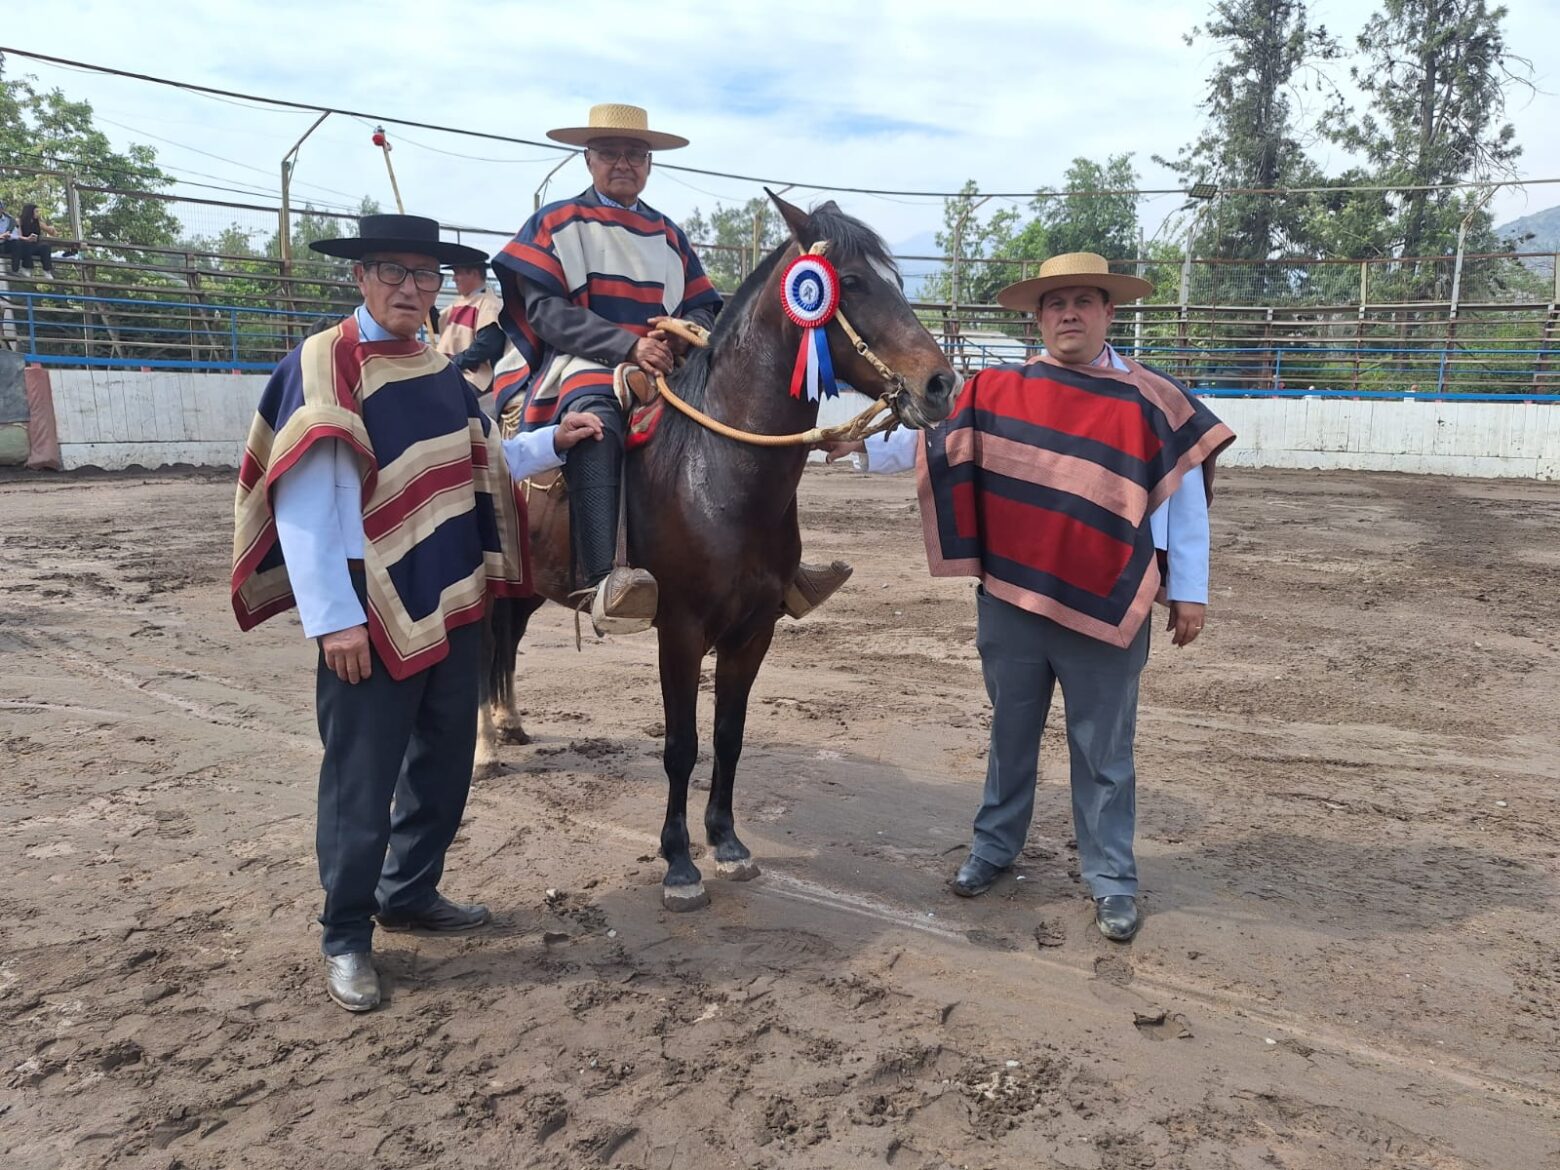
x=810 y=294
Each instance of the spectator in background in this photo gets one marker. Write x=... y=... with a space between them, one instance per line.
x=469 y=334
x=8 y=231
x=27 y=244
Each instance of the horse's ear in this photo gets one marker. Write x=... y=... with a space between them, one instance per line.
x=796 y=219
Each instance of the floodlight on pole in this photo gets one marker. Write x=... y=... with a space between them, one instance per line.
x=1203 y=190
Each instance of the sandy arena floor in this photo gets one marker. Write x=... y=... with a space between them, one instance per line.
x=1349 y=824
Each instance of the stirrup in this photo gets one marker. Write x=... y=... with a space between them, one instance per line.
x=812 y=586
x=623 y=603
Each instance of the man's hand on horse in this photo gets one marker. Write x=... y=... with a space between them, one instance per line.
x=576 y=427
x=675 y=342
x=1186 y=621
x=836 y=449
x=653 y=354
x=346 y=652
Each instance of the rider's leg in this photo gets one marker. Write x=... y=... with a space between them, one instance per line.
x=624 y=601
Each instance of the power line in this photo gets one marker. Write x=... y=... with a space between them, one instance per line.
x=315 y=108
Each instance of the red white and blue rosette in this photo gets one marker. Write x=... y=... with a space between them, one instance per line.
x=810 y=294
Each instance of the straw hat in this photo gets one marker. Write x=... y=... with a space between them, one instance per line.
x=1068 y=271
x=614 y=120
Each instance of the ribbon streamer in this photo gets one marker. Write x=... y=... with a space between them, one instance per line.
x=810 y=295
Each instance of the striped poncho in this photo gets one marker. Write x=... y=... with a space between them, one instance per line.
x=623 y=266
x=1042 y=480
x=459 y=325
x=443 y=527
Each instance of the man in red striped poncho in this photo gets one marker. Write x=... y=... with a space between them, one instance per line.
x=1076 y=488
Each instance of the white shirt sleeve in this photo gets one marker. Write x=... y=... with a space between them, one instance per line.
x=1180 y=526
x=531 y=452
x=892 y=451
x=315 y=541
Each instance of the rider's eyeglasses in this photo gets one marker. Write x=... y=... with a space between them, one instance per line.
x=634 y=158
x=393 y=274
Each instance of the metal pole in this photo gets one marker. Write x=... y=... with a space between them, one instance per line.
x=73 y=207
x=284 y=234
x=536 y=199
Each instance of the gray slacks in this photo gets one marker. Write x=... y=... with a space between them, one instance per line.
x=1023 y=656
x=393 y=786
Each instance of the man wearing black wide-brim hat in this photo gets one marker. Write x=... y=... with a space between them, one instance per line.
x=376 y=497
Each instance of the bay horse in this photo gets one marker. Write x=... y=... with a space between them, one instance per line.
x=715 y=520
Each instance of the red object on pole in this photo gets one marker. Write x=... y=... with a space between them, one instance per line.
x=379 y=137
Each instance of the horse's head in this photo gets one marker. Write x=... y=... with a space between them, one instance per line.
x=896 y=356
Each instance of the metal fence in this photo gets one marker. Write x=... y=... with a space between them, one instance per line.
x=230 y=295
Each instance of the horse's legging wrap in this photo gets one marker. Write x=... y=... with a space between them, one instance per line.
x=594 y=473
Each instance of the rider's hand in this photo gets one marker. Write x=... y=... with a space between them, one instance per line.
x=837 y=449
x=653 y=354
x=576 y=427
x=346 y=652
x=675 y=342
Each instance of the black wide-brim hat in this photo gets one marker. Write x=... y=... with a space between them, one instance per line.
x=399 y=233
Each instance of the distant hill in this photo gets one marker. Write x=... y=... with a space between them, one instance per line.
x=1543 y=226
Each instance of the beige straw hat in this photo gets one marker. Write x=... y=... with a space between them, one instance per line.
x=614 y=120
x=1068 y=271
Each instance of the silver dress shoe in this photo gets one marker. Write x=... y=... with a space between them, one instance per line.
x=352 y=981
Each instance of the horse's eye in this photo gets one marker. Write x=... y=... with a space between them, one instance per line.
x=849 y=283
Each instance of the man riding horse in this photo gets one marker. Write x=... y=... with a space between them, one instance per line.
x=584 y=283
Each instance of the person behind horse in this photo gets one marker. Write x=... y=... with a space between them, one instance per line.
x=584 y=283
x=469 y=332
x=374 y=495
x=1054 y=482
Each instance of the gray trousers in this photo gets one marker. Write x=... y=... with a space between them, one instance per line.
x=393 y=786
x=1023 y=656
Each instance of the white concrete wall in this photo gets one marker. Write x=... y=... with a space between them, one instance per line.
x=1493 y=439
x=118 y=418
x=1488 y=439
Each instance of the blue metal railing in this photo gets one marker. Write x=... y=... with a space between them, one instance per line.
x=1266 y=371
x=60 y=331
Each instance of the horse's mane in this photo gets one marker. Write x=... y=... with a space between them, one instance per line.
x=849 y=240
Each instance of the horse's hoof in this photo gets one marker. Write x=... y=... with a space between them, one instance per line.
x=738 y=871
x=515 y=735
x=679 y=899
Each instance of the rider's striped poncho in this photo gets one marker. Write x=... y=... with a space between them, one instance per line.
x=443 y=527
x=624 y=266
x=1042 y=481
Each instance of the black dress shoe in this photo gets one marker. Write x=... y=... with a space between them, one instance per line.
x=975 y=876
x=441 y=916
x=1117 y=916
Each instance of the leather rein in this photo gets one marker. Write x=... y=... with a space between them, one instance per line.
x=881 y=416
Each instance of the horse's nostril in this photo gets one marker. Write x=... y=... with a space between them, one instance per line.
x=939 y=386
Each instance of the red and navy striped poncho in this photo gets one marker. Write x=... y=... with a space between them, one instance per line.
x=624 y=266
x=1042 y=480
x=443 y=525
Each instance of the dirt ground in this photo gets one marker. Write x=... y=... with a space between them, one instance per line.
x=1349 y=824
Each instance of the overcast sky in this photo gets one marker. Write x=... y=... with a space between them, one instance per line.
x=903 y=94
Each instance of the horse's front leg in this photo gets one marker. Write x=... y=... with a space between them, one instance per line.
x=735 y=669
x=682 y=649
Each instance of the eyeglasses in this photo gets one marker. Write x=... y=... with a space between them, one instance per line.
x=393 y=274
x=634 y=158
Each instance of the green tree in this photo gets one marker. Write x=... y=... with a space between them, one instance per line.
x=1436 y=75
x=967 y=240
x=1097 y=213
x=43 y=130
x=733 y=239
x=1264 y=49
